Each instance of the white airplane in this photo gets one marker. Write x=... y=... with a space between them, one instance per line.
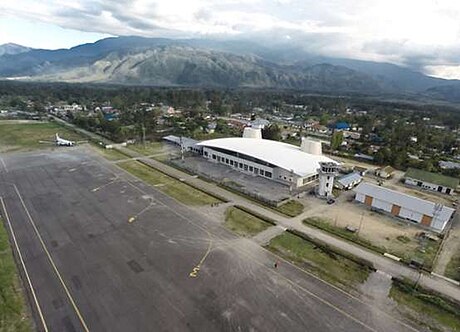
x=59 y=141
x=62 y=142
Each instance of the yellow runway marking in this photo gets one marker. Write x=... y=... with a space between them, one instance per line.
x=40 y=313
x=58 y=274
x=130 y=220
x=196 y=269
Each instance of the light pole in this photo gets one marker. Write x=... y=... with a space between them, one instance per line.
x=360 y=223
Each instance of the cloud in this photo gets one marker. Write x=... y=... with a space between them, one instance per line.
x=416 y=33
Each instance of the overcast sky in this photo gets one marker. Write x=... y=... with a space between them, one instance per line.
x=422 y=34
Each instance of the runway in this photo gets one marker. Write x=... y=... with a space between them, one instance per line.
x=106 y=252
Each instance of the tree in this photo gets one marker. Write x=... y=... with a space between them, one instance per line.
x=336 y=140
x=272 y=132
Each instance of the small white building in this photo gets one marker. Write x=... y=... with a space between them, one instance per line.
x=348 y=181
x=423 y=212
x=385 y=172
x=431 y=181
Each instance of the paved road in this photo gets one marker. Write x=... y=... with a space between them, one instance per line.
x=170 y=269
x=382 y=263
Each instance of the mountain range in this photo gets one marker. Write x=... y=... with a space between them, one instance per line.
x=212 y=63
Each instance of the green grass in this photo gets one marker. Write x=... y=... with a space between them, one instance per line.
x=291 y=208
x=403 y=239
x=453 y=267
x=148 y=149
x=13 y=313
x=170 y=186
x=403 y=249
x=427 y=255
x=111 y=154
x=426 y=308
x=27 y=136
x=325 y=264
x=341 y=232
x=243 y=223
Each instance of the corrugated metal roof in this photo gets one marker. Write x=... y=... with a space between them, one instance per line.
x=283 y=155
x=348 y=179
x=404 y=200
x=186 y=141
x=430 y=177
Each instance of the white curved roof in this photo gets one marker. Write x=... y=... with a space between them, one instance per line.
x=283 y=155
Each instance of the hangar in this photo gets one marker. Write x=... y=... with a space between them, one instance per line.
x=426 y=213
x=281 y=162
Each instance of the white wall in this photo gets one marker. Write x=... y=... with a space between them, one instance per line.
x=427 y=185
x=438 y=224
x=409 y=214
x=410 y=181
x=382 y=205
x=360 y=197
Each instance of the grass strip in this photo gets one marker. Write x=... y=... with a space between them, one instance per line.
x=292 y=208
x=216 y=196
x=111 y=154
x=170 y=186
x=426 y=303
x=327 y=248
x=453 y=267
x=257 y=215
x=13 y=311
x=320 y=260
x=243 y=223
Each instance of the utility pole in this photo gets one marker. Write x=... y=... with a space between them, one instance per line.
x=143 y=134
x=360 y=223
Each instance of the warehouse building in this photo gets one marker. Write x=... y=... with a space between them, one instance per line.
x=423 y=212
x=281 y=162
x=431 y=181
x=348 y=181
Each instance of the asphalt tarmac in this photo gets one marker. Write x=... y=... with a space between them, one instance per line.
x=102 y=251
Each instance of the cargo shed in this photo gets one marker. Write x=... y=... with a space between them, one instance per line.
x=425 y=213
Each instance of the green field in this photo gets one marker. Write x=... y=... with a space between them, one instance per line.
x=425 y=308
x=16 y=136
x=328 y=266
x=149 y=148
x=324 y=225
x=243 y=223
x=13 y=313
x=110 y=154
x=453 y=267
x=170 y=186
x=291 y=208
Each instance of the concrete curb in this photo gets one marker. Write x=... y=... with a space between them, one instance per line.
x=455 y=282
x=393 y=257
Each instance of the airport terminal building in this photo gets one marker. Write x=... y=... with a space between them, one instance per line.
x=281 y=162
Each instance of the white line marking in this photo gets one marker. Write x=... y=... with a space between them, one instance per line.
x=18 y=250
x=72 y=301
x=4 y=165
